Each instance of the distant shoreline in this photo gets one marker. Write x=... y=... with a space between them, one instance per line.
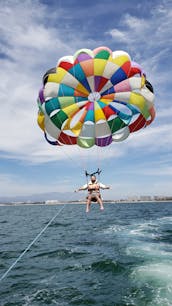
x=78 y=202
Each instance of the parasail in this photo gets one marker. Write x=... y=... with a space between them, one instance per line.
x=94 y=97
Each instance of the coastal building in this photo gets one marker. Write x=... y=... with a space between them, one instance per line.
x=52 y=202
x=145 y=198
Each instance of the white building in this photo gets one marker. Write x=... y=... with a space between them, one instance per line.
x=51 y=202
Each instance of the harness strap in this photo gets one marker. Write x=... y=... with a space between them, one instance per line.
x=96 y=172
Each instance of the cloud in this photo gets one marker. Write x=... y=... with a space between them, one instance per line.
x=154 y=169
x=13 y=185
x=153 y=139
x=119 y=35
x=149 y=40
x=159 y=171
x=153 y=30
x=30 y=47
x=164 y=113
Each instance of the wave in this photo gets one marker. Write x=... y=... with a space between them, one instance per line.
x=59 y=296
x=8 y=254
x=113 y=229
x=108 y=265
x=59 y=224
x=62 y=253
x=154 y=282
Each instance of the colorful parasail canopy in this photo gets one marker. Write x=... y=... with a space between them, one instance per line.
x=94 y=98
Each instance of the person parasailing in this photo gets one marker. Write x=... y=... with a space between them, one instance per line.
x=93 y=187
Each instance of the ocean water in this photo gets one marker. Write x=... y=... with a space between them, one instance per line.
x=121 y=256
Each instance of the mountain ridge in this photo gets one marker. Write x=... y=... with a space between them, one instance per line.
x=41 y=197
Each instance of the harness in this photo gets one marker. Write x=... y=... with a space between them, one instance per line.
x=91 y=174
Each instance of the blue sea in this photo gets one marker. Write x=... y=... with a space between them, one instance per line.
x=121 y=256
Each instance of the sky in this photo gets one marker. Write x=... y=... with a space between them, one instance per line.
x=33 y=36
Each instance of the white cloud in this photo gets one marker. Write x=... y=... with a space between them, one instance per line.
x=159 y=171
x=149 y=41
x=14 y=185
x=154 y=169
x=144 y=33
x=135 y=24
x=165 y=113
x=153 y=138
x=30 y=47
x=119 y=35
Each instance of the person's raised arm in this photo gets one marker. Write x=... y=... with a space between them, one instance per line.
x=84 y=187
x=102 y=186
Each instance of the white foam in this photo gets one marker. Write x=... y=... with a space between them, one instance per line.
x=161 y=272
x=113 y=229
x=150 y=251
x=158 y=278
x=166 y=218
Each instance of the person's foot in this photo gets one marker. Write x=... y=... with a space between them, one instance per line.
x=87 y=210
x=101 y=208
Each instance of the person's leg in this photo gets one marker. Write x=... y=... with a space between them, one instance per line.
x=99 y=200
x=88 y=203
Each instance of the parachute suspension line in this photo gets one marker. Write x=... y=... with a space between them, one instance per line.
x=86 y=177
x=76 y=160
x=99 y=175
x=84 y=155
x=100 y=155
x=32 y=242
x=66 y=151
